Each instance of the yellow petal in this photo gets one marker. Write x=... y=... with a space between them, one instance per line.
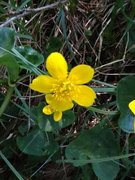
x=131 y=106
x=57 y=116
x=81 y=74
x=48 y=110
x=85 y=96
x=42 y=84
x=57 y=65
x=49 y=98
x=59 y=104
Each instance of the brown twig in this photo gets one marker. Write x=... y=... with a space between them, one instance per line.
x=25 y=12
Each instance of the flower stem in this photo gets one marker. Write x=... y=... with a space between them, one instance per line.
x=6 y=100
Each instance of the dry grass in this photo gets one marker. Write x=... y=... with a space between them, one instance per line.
x=91 y=32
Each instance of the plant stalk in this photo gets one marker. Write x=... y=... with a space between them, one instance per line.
x=6 y=100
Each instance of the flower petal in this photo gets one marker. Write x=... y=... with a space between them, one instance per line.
x=131 y=106
x=42 y=84
x=58 y=104
x=57 y=116
x=48 y=110
x=81 y=74
x=49 y=98
x=57 y=65
x=85 y=96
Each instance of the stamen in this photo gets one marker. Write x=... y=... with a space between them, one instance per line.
x=62 y=90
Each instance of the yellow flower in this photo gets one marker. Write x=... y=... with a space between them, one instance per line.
x=62 y=88
x=131 y=106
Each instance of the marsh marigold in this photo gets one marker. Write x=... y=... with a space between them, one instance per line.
x=131 y=106
x=61 y=88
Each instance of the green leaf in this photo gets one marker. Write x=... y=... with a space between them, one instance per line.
x=47 y=123
x=106 y=170
x=131 y=39
x=31 y=55
x=126 y=122
x=37 y=143
x=125 y=94
x=73 y=6
x=33 y=143
x=54 y=44
x=13 y=68
x=23 y=128
x=91 y=144
x=7 y=38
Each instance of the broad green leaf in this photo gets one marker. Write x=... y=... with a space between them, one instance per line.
x=125 y=94
x=23 y=128
x=13 y=68
x=106 y=170
x=131 y=39
x=127 y=122
x=7 y=38
x=37 y=143
x=31 y=55
x=33 y=143
x=47 y=123
x=91 y=144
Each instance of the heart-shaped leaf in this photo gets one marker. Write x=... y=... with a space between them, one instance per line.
x=106 y=170
x=95 y=144
x=13 y=68
x=47 y=123
x=31 y=55
x=7 y=38
x=37 y=143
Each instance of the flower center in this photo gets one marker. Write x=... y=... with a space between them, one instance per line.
x=63 y=89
